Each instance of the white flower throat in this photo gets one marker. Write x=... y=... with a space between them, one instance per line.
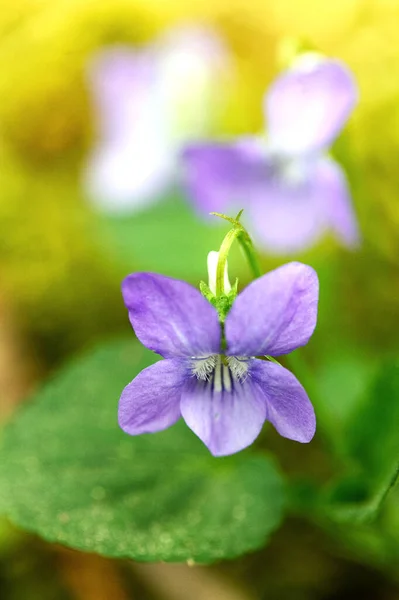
x=222 y=372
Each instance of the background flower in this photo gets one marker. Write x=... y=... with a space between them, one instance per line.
x=294 y=192
x=150 y=101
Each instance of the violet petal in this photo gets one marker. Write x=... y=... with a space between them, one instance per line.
x=274 y=314
x=217 y=176
x=123 y=84
x=133 y=162
x=337 y=202
x=288 y=216
x=288 y=406
x=151 y=402
x=170 y=316
x=226 y=421
x=307 y=106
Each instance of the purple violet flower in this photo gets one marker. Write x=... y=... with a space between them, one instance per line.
x=149 y=102
x=294 y=192
x=211 y=375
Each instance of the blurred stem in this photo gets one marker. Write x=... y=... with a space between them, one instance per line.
x=250 y=253
x=239 y=233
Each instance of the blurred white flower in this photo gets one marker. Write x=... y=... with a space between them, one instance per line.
x=149 y=102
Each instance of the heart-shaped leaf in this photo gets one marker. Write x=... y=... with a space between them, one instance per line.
x=68 y=473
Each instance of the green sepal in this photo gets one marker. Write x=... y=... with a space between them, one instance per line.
x=223 y=302
x=234 y=290
x=271 y=359
x=206 y=291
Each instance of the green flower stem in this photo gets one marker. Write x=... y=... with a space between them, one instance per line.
x=239 y=233
x=250 y=254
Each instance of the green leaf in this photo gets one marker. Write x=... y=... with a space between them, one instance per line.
x=68 y=473
x=374 y=429
x=371 y=449
x=168 y=238
x=344 y=379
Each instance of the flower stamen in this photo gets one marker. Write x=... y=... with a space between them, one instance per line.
x=204 y=367
x=221 y=371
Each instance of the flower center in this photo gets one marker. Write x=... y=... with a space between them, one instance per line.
x=223 y=372
x=293 y=172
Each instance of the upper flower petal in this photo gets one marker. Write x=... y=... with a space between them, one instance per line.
x=307 y=106
x=217 y=176
x=288 y=406
x=123 y=84
x=337 y=202
x=194 y=64
x=227 y=415
x=274 y=314
x=151 y=402
x=170 y=316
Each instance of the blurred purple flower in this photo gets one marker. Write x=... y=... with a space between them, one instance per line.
x=224 y=395
x=148 y=104
x=292 y=191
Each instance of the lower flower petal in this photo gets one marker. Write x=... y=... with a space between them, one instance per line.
x=151 y=402
x=287 y=216
x=288 y=406
x=340 y=213
x=128 y=176
x=226 y=417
